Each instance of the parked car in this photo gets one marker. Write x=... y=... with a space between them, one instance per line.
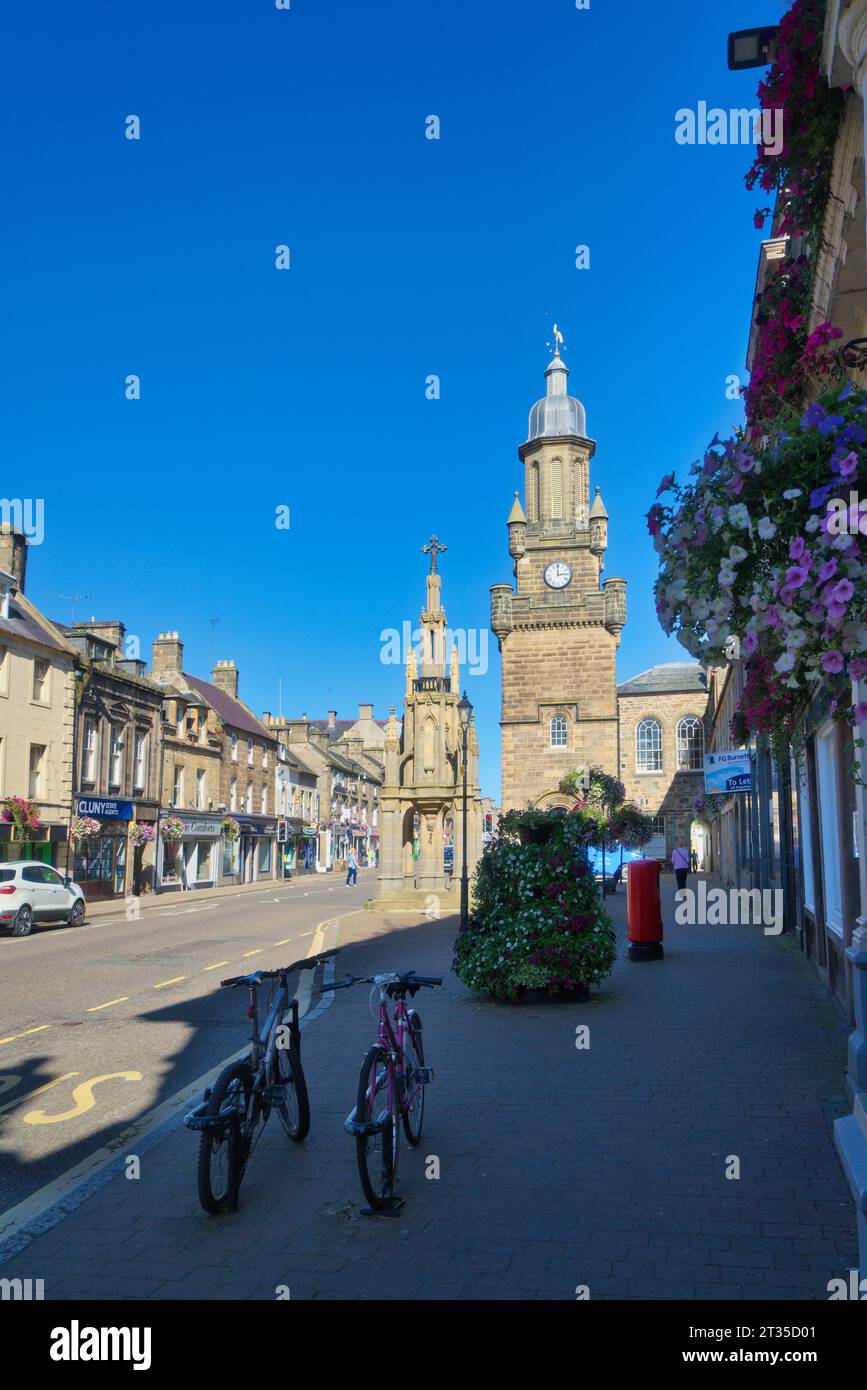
x=34 y=892
x=616 y=860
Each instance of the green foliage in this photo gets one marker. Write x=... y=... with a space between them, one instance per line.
x=538 y=922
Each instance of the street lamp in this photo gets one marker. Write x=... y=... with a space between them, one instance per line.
x=465 y=709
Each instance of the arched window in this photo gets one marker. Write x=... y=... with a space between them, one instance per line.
x=648 y=746
x=690 y=743
x=559 y=731
x=557 y=489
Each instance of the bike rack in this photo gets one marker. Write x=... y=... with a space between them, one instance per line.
x=363 y=1128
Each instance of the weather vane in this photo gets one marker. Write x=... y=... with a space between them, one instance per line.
x=558 y=339
x=433 y=548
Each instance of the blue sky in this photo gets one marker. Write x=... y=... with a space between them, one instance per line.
x=409 y=257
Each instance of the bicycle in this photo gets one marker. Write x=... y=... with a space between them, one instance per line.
x=391 y=1086
x=240 y=1102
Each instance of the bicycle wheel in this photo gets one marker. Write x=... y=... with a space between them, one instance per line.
x=378 y=1154
x=413 y=1057
x=294 y=1111
x=220 y=1152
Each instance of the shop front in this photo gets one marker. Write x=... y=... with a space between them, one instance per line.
x=100 y=859
x=307 y=844
x=192 y=860
x=257 y=849
x=47 y=844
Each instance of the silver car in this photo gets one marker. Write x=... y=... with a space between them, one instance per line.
x=34 y=892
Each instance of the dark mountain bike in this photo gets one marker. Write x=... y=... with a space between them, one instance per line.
x=391 y=1086
x=234 y=1111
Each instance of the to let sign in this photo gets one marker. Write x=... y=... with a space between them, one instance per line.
x=728 y=772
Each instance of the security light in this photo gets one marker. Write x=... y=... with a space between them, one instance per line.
x=752 y=48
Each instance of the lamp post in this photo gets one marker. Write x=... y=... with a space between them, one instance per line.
x=465 y=709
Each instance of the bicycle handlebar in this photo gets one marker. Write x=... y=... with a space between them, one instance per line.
x=408 y=978
x=306 y=964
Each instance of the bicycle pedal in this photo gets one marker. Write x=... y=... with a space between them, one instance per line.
x=422 y=1076
x=276 y=1094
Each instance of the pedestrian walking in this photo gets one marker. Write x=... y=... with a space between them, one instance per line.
x=352 y=868
x=680 y=863
x=694 y=858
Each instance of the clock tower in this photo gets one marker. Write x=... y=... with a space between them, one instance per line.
x=559 y=625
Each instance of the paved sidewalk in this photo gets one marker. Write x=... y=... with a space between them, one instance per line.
x=168 y=898
x=558 y=1167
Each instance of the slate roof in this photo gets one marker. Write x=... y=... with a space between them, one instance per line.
x=233 y=713
x=26 y=621
x=673 y=677
x=340 y=726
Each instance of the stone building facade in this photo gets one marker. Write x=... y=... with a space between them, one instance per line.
x=37 y=703
x=559 y=627
x=665 y=716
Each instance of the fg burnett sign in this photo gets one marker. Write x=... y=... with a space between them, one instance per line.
x=728 y=772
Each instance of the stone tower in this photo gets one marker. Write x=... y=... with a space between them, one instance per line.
x=559 y=627
x=421 y=802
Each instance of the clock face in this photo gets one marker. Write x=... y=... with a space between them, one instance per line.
x=558 y=575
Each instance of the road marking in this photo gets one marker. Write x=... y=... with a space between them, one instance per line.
x=83 y=1099
x=124 y=999
x=217 y=966
x=175 y=981
x=25 y=1034
x=257 y=952
x=11 y=1104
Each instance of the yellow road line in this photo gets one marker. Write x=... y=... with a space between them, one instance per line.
x=96 y=1008
x=253 y=953
x=10 y=1105
x=25 y=1034
x=217 y=966
x=175 y=981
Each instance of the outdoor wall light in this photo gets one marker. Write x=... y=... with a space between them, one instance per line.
x=752 y=48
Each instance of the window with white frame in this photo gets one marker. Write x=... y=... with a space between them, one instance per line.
x=264 y=801
x=36 y=768
x=690 y=744
x=200 y=789
x=648 y=746
x=89 y=759
x=233 y=794
x=115 y=755
x=234 y=742
x=139 y=762
x=264 y=758
x=249 y=801
x=178 y=786
x=249 y=752
x=559 y=731
x=41 y=668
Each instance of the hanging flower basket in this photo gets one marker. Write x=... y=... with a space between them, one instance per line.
x=84 y=828
x=231 y=829
x=141 y=835
x=172 y=829
x=22 y=816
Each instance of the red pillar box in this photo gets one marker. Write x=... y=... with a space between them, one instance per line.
x=644 y=910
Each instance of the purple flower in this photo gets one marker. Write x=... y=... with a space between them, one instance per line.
x=843 y=591
x=831 y=423
x=819 y=495
x=828 y=570
x=812 y=416
x=797 y=575
x=861 y=712
x=832 y=661
x=847 y=466
x=751 y=641
x=857 y=669
x=797 y=548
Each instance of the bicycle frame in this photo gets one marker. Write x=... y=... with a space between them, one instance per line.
x=393 y=1043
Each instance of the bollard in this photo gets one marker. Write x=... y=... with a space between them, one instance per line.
x=644 y=910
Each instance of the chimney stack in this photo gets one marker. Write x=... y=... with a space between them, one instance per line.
x=225 y=677
x=332 y=719
x=13 y=554
x=365 y=711
x=168 y=654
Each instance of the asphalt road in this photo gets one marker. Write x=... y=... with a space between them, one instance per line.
x=101 y=1024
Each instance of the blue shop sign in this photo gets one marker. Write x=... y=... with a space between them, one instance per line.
x=102 y=809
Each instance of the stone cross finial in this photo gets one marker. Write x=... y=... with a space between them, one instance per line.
x=433 y=548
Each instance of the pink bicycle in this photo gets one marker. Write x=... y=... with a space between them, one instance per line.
x=391 y=1086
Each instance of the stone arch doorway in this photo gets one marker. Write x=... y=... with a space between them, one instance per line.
x=701 y=845
x=554 y=801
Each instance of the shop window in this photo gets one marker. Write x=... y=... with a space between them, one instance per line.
x=171 y=861
x=204 y=861
x=263 y=857
x=231 y=858
x=805 y=836
x=826 y=769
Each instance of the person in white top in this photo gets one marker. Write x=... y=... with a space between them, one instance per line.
x=680 y=863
